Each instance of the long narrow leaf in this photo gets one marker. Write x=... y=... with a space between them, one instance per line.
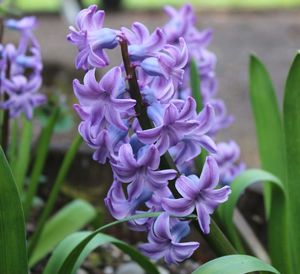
x=68 y=159
x=65 y=247
x=292 y=136
x=42 y=150
x=23 y=157
x=269 y=130
x=235 y=264
x=69 y=219
x=13 y=255
x=195 y=83
x=238 y=187
x=270 y=139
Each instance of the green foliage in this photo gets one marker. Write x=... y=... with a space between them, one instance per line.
x=268 y=124
x=13 y=254
x=41 y=154
x=69 y=219
x=291 y=111
x=235 y=264
x=70 y=253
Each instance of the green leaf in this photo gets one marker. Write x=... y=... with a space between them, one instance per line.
x=277 y=244
x=69 y=219
x=66 y=164
x=235 y=264
x=72 y=255
x=42 y=151
x=66 y=246
x=24 y=150
x=195 y=83
x=291 y=110
x=270 y=139
x=13 y=255
x=268 y=124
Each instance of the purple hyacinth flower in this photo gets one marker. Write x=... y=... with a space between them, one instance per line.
x=191 y=143
x=169 y=63
x=179 y=23
x=91 y=38
x=141 y=43
x=164 y=241
x=121 y=206
x=24 y=24
x=227 y=157
x=222 y=119
x=23 y=96
x=199 y=194
x=176 y=123
x=99 y=100
x=141 y=172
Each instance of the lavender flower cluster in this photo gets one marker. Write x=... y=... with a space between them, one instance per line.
x=20 y=70
x=141 y=115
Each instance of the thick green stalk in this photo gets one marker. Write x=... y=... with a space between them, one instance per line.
x=60 y=179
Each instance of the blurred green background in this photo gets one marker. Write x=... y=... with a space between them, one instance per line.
x=53 y=5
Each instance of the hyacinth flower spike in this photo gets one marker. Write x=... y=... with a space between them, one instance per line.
x=199 y=194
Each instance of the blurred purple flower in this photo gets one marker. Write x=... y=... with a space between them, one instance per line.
x=164 y=241
x=199 y=194
x=227 y=158
x=23 y=96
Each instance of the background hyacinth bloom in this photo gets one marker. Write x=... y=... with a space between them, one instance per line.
x=141 y=172
x=23 y=96
x=164 y=241
x=227 y=157
x=91 y=38
x=199 y=194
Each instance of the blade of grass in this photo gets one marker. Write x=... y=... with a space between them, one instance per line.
x=278 y=246
x=291 y=111
x=69 y=243
x=268 y=124
x=13 y=255
x=42 y=151
x=235 y=264
x=68 y=160
x=23 y=157
x=195 y=83
x=69 y=219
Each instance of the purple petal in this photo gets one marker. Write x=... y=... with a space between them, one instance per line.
x=203 y=217
x=209 y=178
x=178 y=207
x=186 y=187
x=149 y=136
